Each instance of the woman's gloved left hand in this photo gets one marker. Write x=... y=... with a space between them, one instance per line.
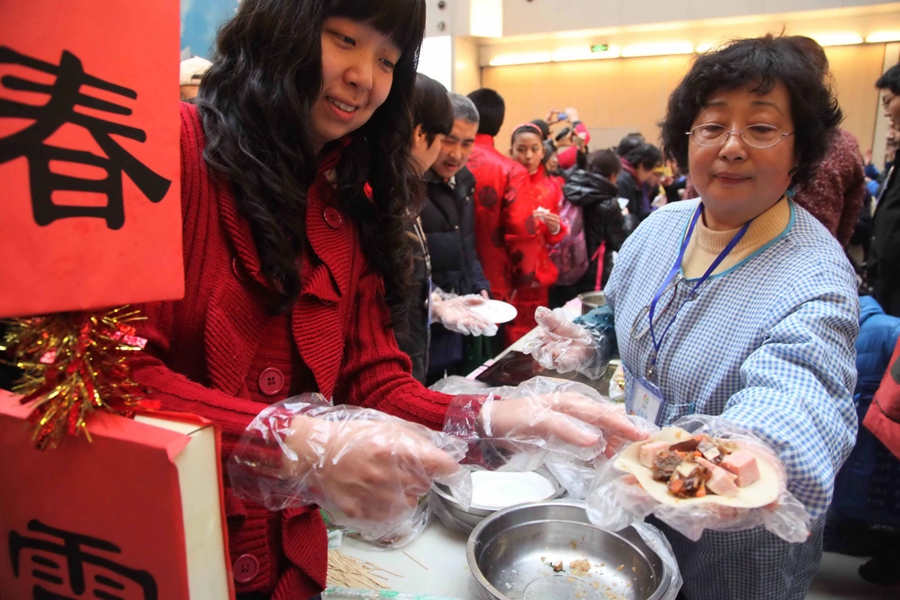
x=544 y=414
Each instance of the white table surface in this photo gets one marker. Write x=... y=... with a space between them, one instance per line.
x=434 y=564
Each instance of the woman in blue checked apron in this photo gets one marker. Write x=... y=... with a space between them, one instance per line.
x=740 y=303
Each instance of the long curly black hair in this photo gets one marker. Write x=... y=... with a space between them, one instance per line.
x=760 y=63
x=255 y=103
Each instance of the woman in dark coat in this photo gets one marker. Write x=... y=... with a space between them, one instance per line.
x=594 y=190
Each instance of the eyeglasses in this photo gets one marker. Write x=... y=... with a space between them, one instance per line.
x=755 y=136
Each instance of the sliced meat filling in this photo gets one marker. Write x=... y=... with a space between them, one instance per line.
x=665 y=464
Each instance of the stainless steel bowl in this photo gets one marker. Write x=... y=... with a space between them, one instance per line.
x=591 y=300
x=511 y=554
x=476 y=514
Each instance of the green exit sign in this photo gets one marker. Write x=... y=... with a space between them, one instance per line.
x=599 y=47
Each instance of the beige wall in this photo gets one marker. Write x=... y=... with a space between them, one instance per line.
x=631 y=94
x=546 y=16
x=466 y=72
x=855 y=70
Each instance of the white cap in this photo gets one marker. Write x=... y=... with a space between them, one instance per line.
x=193 y=69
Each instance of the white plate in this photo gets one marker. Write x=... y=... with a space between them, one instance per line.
x=495 y=311
x=493 y=490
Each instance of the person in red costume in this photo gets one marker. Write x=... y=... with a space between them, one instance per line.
x=502 y=195
x=532 y=238
x=296 y=188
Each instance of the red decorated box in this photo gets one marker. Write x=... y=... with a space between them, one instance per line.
x=134 y=515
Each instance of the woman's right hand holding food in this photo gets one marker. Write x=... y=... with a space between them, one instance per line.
x=367 y=469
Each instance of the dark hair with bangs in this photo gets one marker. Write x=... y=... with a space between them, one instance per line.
x=759 y=63
x=526 y=128
x=255 y=103
x=431 y=108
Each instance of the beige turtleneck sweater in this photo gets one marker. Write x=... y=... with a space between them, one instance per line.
x=706 y=244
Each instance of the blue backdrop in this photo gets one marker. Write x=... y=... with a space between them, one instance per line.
x=200 y=19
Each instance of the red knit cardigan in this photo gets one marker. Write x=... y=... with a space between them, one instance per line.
x=201 y=349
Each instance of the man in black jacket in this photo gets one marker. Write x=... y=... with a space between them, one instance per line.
x=884 y=250
x=638 y=164
x=448 y=219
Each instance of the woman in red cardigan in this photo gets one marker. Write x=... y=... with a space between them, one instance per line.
x=289 y=261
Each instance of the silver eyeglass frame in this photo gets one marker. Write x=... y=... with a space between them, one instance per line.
x=740 y=132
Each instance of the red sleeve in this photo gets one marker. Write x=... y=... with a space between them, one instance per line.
x=175 y=391
x=883 y=416
x=554 y=239
x=518 y=200
x=518 y=206
x=567 y=157
x=376 y=374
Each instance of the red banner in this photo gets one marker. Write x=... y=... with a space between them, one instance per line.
x=89 y=169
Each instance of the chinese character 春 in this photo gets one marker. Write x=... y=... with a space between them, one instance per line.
x=71 y=90
x=62 y=559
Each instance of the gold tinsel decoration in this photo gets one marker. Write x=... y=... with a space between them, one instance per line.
x=74 y=364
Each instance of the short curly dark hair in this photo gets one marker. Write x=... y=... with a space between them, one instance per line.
x=760 y=63
x=890 y=80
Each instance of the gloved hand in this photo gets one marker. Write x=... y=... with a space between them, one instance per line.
x=454 y=313
x=365 y=468
x=546 y=415
x=564 y=346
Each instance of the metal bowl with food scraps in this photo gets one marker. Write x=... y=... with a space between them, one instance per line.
x=493 y=491
x=550 y=551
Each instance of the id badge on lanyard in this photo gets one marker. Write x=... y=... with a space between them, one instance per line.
x=646 y=399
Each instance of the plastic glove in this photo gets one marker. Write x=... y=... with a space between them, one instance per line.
x=617 y=500
x=564 y=346
x=454 y=314
x=544 y=415
x=367 y=469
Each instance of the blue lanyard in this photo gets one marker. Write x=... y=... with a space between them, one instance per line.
x=674 y=270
